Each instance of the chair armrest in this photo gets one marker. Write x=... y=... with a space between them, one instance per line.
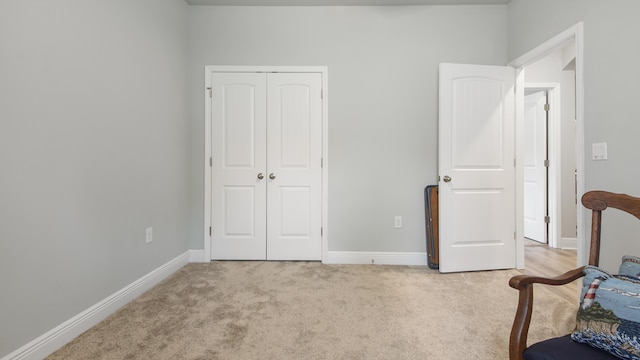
x=524 y=285
x=519 y=282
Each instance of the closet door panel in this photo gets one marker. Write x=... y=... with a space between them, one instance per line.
x=239 y=156
x=294 y=191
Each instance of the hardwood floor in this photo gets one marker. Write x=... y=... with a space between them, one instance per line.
x=548 y=262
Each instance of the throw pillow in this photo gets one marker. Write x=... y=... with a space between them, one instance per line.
x=630 y=266
x=609 y=313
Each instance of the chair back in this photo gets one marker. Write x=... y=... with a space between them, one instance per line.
x=598 y=201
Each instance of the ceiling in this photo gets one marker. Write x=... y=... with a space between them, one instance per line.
x=341 y=2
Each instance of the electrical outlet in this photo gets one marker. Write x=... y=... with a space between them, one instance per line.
x=397 y=223
x=149 y=235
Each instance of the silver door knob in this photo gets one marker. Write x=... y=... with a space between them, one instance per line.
x=447 y=178
x=261 y=176
x=272 y=176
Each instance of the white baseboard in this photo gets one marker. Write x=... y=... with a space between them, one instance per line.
x=568 y=243
x=376 y=258
x=54 y=339
x=197 y=256
x=350 y=257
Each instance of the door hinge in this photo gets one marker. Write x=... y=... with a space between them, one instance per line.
x=321 y=93
x=546 y=163
x=321 y=231
x=546 y=107
x=321 y=163
x=209 y=230
x=547 y=219
x=210 y=92
x=514 y=162
x=210 y=162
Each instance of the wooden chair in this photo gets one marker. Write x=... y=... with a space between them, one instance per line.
x=597 y=201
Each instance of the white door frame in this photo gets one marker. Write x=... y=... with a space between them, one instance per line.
x=573 y=34
x=209 y=145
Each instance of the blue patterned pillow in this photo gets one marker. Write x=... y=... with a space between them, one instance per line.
x=609 y=313
x=630 y=266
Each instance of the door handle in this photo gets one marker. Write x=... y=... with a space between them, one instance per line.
x=272 y=176
x=260 y=176
x=447 y=178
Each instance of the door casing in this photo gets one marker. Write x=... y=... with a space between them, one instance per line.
x=209 y=69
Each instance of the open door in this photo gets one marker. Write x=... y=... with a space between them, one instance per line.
x=535 y=166
x=477 y=167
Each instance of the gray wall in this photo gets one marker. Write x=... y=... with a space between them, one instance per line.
x=101 y=126
x=93 y=149
x=383 y=82
x=610 y=96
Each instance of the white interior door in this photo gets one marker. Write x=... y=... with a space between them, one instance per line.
x=238 y=111
x=294 y=191
x=535 y=170
x=266 y=167
x=476 y=168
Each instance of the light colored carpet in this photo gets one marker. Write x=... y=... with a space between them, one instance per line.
x=301 y=310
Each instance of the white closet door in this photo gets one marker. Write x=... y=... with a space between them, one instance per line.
x=239 y=156
x=294 y=190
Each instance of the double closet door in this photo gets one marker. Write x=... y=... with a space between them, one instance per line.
x=266 y=166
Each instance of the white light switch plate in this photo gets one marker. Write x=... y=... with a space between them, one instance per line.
x=599 y=151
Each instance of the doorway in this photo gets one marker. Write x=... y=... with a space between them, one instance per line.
x=562 y=232
x=552 y=78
